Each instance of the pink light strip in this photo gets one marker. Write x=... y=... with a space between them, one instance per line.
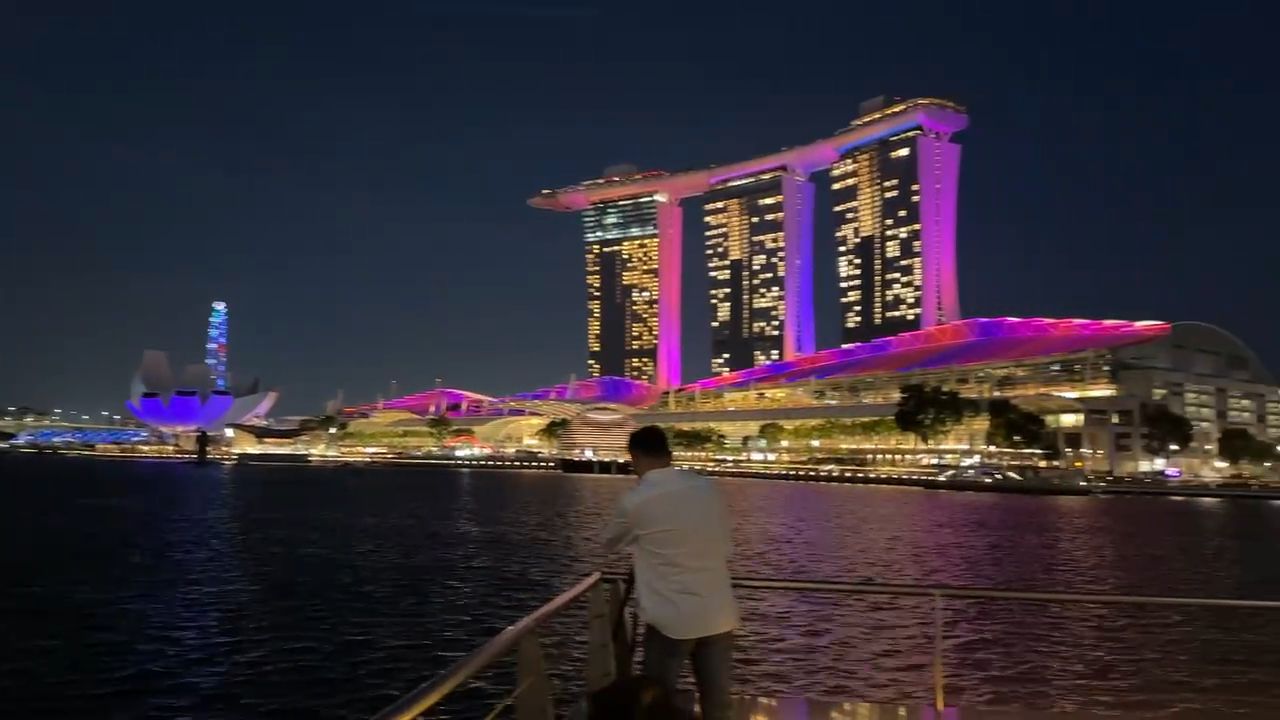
x=670 y=242
x=988 y=337
x=939 y=168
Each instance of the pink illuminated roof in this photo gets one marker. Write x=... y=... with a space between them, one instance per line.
x=436 y=401
x=461 y=403
x=966 y=342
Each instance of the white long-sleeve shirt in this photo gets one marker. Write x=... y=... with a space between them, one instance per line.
x=678 y=529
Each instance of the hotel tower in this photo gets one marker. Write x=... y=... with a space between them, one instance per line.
x=894 y=174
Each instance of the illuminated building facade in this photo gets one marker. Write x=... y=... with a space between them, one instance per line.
x=215 y=346
x=622 y=288
x=894 y=202
x=1090 y=381
x=746 y=266
x=925 y=293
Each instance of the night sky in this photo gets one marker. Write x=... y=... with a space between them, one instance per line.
x=351 y=178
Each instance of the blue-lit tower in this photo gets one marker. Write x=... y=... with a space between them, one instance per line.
x=215 y=347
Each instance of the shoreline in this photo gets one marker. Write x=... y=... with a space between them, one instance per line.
x=1095 y=486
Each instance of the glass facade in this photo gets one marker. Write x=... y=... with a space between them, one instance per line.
x=875 y=193
x=622 y=288
x=746 y=266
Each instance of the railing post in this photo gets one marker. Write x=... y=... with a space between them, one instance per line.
x=533 y=690
x=622 y=632
x=600 y=653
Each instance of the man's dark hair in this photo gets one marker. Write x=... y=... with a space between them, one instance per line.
x=649 y=441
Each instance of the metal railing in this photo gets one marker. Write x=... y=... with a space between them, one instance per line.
x=532 y=695
x=609 y=641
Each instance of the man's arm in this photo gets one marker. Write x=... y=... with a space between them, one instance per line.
x=619 y=533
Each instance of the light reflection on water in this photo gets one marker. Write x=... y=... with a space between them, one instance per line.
x=171 y=590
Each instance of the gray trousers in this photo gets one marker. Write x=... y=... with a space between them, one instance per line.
x=712 y=664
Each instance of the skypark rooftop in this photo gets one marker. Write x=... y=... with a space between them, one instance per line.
x=935 y=115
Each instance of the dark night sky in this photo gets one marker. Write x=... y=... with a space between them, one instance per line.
x=352 y=177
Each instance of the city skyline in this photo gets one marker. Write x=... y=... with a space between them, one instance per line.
x=386 y=236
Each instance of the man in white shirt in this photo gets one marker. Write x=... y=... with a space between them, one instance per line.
x=678 y=529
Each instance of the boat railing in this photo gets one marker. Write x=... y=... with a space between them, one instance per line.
x=610 y=639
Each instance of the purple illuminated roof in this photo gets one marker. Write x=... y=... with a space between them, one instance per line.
x=437 y=401
x=610 y=389
x=461 y=403
x=966 y=342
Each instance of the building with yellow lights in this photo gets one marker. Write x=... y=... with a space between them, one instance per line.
x=746 y=268
x=758 y=218
x=622 y=288
x=881 y=219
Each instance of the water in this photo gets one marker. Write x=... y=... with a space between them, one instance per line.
x=146 y=589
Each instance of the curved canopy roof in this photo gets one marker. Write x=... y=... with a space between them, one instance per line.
x=556 y=401
x=965 y=342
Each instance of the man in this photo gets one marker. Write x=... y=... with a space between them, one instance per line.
x=678 y=529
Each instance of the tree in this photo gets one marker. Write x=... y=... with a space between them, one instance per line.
x=831 y=429
x=1166 y=431
x=1012 y=427
x=801 y=434
x=772 y=433
x=1236 y=445
x=697 y=438
x=872 y=428
x=551 y=432
x=439 y=427
x=929 y=412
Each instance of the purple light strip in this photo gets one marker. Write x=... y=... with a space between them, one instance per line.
x=797 y=230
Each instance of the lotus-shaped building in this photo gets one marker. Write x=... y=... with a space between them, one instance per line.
x=190 y=403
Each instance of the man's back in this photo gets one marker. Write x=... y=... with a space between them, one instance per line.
x=679 y=528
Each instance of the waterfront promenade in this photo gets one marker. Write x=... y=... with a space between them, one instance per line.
x=924 y=478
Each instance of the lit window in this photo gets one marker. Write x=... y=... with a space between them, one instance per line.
x=900 y=152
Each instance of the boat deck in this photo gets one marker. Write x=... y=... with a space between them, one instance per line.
x=610 y=641
x=763 y=708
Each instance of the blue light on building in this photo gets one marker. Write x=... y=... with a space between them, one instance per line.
x=215 y=348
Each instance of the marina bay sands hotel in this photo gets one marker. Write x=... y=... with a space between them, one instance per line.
x=894 y=174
